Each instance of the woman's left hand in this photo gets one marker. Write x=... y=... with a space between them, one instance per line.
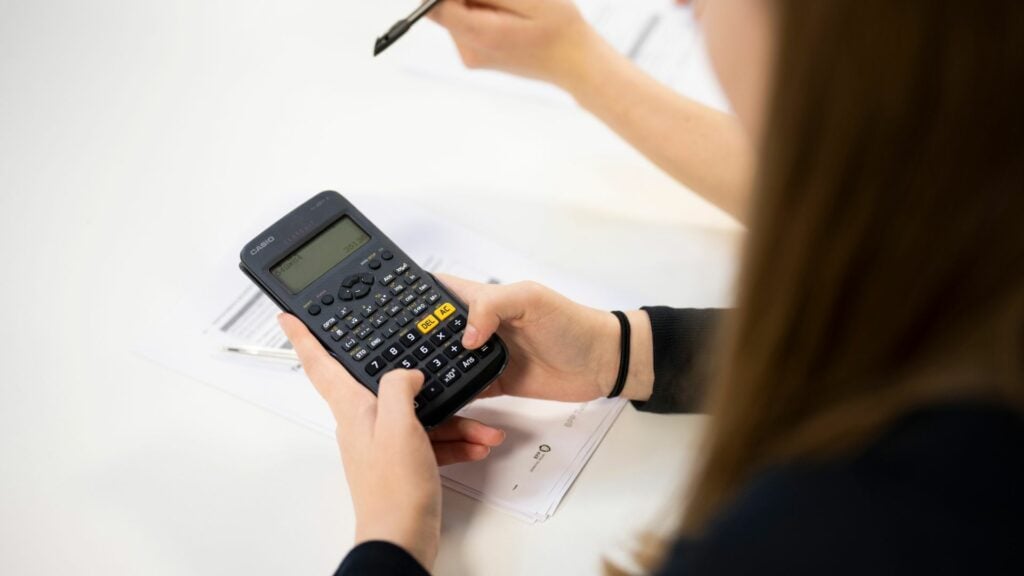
x=390 y=461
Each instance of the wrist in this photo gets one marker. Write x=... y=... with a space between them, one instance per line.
x=640 y=374
x=421 y=546
x=592 y=59
x=640 y=378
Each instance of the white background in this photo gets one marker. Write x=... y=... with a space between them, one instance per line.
x=136 y=136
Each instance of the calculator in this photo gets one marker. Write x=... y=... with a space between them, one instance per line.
x=370 y=305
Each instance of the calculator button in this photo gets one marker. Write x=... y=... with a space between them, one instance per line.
x=373 y=367
x=433 y=297
x=449 y=376
x=387 y=279
x=374 y=264
x=457 y=324
x=350 y=281
x=410 y=337
x=485 y=349
x=410 y=278
x=436 y=363
x=418 y=308
x=423 y=349
x=432 y=390
x=380 y=319
x=360 y=354
x=375 y=342
x=345 y=294
x=342 y=312
x=409 y=298
x=453 y=349
x=353 y=321
x=337 y=334
x=427 y=324
x=393 y=310
x=402 y=269
x=393 y=351
x=360 y=291
x=397 y=289
x=329 y=323
x=441 y=337
x=367 y=310
x=349 y=344
x=381 y=298
x=313 y=310
x=444 y=310
x=364 y=332
x=467 y=363
x=390 y=331
x=366 y=278
x=327 y=299
x=403 y=319
x=423 y=287
x=408 y=363
x=386 y=255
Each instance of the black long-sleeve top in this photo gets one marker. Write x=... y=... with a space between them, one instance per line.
x=940 y=492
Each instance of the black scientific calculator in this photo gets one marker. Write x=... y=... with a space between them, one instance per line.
x=370 y=305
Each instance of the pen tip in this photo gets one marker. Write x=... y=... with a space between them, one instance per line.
x=380 y=45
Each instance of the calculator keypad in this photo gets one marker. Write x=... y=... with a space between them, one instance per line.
x=431 y=390
x=404 y=322
x=436 y=363
x=423 y=350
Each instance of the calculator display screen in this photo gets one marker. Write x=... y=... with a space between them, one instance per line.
x=320 y=254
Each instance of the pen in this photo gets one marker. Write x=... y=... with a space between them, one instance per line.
x=402 y=26
x=261 y=352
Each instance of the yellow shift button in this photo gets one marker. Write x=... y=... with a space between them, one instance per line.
x=427 y=324
x=444 y=310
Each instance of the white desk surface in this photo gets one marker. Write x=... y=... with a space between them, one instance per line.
x=134 y=135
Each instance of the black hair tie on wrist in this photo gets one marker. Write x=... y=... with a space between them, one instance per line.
x=620 y=380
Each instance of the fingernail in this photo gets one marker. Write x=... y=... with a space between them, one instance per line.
x=469 y=338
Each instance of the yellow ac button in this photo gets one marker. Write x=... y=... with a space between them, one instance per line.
x=428 y=324
x=444 y=310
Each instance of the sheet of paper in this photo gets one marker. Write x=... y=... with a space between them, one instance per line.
x=547 y=444
x=657 y=35
x=545 y=448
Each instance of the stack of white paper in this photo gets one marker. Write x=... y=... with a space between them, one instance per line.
x=547 y=443
x=546 y=447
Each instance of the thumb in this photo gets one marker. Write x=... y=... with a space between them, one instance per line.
x=469 y=22
x=492 y=305
x=395 y=396
x=463 y=289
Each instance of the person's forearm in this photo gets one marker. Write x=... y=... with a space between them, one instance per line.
x=704 y=149
x=666 y=345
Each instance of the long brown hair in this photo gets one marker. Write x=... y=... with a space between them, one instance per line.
x=885 y=260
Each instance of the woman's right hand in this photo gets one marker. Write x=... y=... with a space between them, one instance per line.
x=545 y=40
x=558 y=349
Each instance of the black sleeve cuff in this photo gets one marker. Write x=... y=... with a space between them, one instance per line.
x=379 y=558
x=681 y=340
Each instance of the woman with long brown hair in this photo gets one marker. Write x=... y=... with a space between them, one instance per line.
x=866 y=395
